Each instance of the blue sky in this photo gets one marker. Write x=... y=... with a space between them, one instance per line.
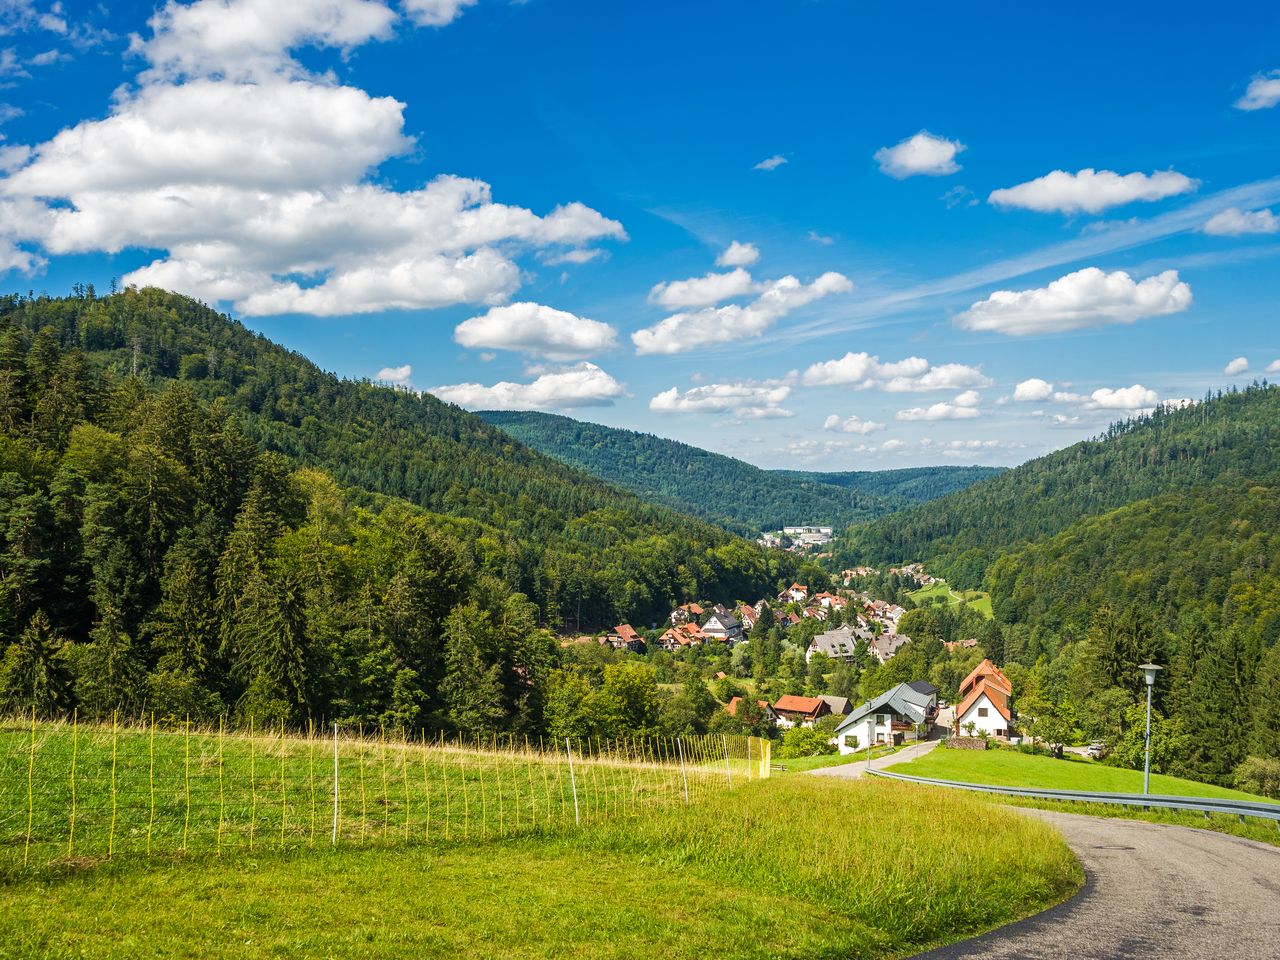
x=915 y=233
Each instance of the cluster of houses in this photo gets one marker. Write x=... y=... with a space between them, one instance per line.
x=797 y=539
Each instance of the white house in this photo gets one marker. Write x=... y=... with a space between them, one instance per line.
x=722 y=626
x=899 y=712
x=984 y=702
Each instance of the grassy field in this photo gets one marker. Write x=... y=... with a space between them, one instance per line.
x=763 y=870
x=1015 y=769
x=74 y=794
x=978 y=599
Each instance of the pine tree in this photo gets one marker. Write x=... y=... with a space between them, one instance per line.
x=471 y=689
x=34 y=671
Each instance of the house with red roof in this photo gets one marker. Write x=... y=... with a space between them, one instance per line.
x=800 y=711
x=624 y=637
x=984 y=702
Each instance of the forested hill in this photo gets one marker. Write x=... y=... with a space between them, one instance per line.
x=586 y=553
x=1226 y=438
x=721 y=488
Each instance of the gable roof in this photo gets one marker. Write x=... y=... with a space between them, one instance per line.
x=626 y=632
x=837 y=704
x=991 y=672
x=998 y=697
x=793 y=704
x=923 y=686
x=731 y=707
x=901 y=699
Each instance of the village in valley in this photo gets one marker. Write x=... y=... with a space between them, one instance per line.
x=833 y=665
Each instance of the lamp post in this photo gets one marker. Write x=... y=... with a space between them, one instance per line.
x=871 y=719
x=1149 y=670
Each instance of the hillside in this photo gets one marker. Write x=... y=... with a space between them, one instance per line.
x=1226 y=437
x=194 y=518
x=721 y=488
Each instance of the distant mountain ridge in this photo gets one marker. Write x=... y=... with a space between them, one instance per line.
x=722 y=489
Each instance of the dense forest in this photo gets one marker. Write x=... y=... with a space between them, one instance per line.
x=726 y=491
x=1158 y=541
x=196 y=518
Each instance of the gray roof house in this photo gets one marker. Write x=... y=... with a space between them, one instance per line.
x=723 y=626
x=838 y=705
x=887 y=644
x=838 y=644
x=896 y=712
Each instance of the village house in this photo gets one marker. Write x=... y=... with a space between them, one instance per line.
x=731 y=708
x=747 y=616
x=815 y=613
x=829 y=600
x=839 y=705
x=796 y=593
x=838 y=644
x=624 y=637
x=682 y=637
x=800 y=711
x=984 y=702
x=686 y=613
x=886 y=645
x=722 y=627
x=897 y=715
x=960 y=644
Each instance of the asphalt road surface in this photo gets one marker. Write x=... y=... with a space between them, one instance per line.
x=859 y=767
x=1151 y=890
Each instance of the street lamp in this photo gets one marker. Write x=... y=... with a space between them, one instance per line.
x=871 y=719
x=1149 y=670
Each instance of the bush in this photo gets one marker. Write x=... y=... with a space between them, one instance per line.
x=804 y=742
x=1260 y=775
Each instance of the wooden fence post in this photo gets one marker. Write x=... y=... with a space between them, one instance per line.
x=573 y=783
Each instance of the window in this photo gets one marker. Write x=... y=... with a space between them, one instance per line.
x=982 y=711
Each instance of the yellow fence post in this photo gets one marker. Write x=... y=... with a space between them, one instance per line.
x=71 y=833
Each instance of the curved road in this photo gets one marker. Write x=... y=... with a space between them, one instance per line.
x=1151 y=890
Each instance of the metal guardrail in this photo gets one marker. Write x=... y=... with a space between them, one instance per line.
x=1205 y=805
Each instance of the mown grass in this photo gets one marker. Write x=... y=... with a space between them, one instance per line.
x=791 y=867
x=978 y=599
x=1012 y=768
x=88 y=793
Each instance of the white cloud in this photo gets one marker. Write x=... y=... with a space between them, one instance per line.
x=702 y=291
x=1091 y=191
x=738 y=255
x=962 y=407
x=1237 y=366
x=862 y=371
x=1086 y=298
x=817 y=237
x=1136 y=397
x=1273 y=366
x=584 y=385
x=746 y=400
x=250 y=40
x=921 y=154
x=257 y=191
x=1263 y=92
x=734 y=322
x=1232 y=222
x=398 y=376
x=1034 y=390
x=536 y=329
x=771 y=163
x=851 y=424
x=435 y=13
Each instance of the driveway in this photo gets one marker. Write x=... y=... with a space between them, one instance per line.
x=1151 y=890
x=859 y=768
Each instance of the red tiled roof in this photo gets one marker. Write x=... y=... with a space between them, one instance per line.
x=997 y=696
x=626 y=632
x=793 y=704
x=986 y=669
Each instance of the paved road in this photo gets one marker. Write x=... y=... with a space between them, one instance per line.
x=1151 y=890
x=879 y=763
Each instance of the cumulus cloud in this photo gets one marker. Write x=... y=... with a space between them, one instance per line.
x=1273 y=366
x=536 y=329
x=251 y=174
x=435 y=13
x=738 y=255
x=963 y=407
x=745 y=400
x=1262 y=93
x=702 y=291
x=1086 y=298
x=862 y=371
x=1091 y=191
x=771 y=163
x=1034 y=390
x=1233 y=222
x=1237 y=366
x=921 y=154
x=853 y=424
x=584 y=385
x=397 y=376
x=776 y=298
x=1136 y=397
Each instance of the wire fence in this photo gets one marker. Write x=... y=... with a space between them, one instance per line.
x=73 y=793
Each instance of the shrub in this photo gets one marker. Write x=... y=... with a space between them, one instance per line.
x=803 y=742
x=1259 y=775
